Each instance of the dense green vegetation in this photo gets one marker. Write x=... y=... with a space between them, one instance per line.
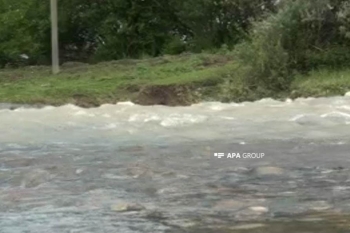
x=170 y=80
x=97 y=30
x=240 y=49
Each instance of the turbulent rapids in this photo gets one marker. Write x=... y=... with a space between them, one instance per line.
x=130 y=168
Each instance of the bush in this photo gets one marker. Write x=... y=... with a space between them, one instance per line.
x=266 y=54
x=303 y=35
x=335 y=57
x=175 y=46
x=343 y=16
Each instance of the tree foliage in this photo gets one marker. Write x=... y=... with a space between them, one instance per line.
x=301 y=36
x=277 y=39
x=93 y=30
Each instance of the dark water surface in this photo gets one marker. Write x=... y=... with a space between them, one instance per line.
x=128 y=168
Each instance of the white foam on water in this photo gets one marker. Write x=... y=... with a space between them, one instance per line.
x=267 y=100
x=71 y=106
x=218 y=105
x=48 y=108
x=106 y=115
x=209 y=120
x=341 y=188
x=344 y=107
x=127 y=103
x=83 y=113
x=21 y=109
x=236 y=104
x=107 y=106
x=217 y=108
x=227 y=118
x=297 y=117
x=278 y=105
x=336 y=114
x=144 y=117
x=177 y=120
x=341 y=143
x=109 y=126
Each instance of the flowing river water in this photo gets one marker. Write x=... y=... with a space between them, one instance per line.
x=128 y=168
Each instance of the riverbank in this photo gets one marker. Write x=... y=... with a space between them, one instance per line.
x=168 y=80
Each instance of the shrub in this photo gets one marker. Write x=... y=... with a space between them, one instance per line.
x=266 y=53
x=175 y=46
x=303 y=35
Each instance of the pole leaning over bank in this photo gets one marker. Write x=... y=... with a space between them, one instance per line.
x=54 y=38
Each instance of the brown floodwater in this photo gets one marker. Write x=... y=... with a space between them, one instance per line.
x=285 y=167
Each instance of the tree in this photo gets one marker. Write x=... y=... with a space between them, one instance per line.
x=93 y=30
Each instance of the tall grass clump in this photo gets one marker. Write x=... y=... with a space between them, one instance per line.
x=301 y=36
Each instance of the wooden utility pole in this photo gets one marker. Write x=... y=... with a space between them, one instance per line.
x=54 y=38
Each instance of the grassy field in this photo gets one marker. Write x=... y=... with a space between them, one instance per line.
x=113 y=81
x=320 y=83
x=169 y=80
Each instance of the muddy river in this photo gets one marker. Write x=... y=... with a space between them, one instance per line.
x=265 y=166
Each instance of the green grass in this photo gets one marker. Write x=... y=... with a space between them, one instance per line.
x=199 y=77
x=320 y=83
x=109 y=82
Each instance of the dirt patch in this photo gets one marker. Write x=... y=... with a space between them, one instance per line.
x=11 y=76
x=170 y=95
x=215 y=60
x=72 y=64
x=85 y=101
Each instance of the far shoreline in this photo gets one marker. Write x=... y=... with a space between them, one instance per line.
x=179 y=80
x=14 y=106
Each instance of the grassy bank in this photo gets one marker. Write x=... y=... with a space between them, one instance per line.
x=169 y=80
x=320 y=83
x=165 y=80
